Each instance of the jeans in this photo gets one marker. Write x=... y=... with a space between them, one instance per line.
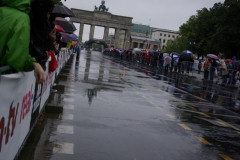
x=212 y=71
x=224 y=79
x=206 y=72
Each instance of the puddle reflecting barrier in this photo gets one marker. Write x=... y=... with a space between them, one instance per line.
x=21 y=102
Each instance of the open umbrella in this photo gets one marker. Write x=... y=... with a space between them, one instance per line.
x=74 y=37
x=58 y=28
x=175 y=53
x=187 y=51
x=73 y=42
x=212 y=56
x=175 y=57
x=66 y=37
x=68 y=27
x=60 y=20
x=186 y=57
x=62 y=11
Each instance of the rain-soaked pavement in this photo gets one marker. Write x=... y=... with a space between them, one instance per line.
x=119 y=110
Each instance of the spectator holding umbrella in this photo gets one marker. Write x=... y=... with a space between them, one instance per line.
x=213 y=67
x=206 y=68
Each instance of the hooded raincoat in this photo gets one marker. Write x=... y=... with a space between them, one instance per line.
x=15 y=35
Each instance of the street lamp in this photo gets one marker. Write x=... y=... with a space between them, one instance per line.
x=160 y=43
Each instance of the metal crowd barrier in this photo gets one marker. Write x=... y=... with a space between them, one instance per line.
x=184 y=68
x=22 y=101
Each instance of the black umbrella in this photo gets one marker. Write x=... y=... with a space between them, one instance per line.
x=68 y=27
x=185 y=57
x=62 y=11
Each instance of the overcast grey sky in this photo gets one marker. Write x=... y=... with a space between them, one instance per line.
x=166 y=14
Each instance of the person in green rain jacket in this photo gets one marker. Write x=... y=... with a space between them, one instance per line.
x=15 y=37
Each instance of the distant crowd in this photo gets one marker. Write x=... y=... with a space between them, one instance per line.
x=223 y=72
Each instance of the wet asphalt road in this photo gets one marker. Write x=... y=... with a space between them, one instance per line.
x=119 y=110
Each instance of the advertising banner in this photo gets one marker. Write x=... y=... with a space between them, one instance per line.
x=21 y=101
x=15 y=116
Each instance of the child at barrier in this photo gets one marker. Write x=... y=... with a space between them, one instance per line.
x=15 y=38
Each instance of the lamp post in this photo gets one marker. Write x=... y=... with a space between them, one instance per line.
x=192 y=44
x=160 y=43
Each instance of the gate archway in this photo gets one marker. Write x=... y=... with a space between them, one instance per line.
x=88 y=43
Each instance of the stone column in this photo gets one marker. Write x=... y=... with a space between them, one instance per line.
x=116 y=40
x=91 y=32
x=127 y=39
x=80 y=32
x=106 y=33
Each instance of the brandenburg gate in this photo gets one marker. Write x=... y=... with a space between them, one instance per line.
x=101 y=17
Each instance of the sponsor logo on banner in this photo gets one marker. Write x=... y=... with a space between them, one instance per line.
x=36 y=103
x=21 y=103
x=8 y=124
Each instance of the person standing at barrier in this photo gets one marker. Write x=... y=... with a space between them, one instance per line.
x=78 y=50
x=167 y=63
x=40 y=29
x=15 y=38
x=223 y=72
x=213 y=67
x=233 y=71
x=206 y=68
x=199 y=66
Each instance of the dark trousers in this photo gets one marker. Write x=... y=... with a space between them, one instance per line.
x=212 y=71
x=206 y=72
x=224 y=79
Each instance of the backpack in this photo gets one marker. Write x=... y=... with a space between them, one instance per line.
x=168 y=60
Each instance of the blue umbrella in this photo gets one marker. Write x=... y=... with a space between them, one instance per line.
x=175 y=53
x=175 y=58
x=187 y=52
x=74 y=37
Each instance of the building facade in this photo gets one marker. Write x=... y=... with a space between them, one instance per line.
x=163 y=35
x=141 y=37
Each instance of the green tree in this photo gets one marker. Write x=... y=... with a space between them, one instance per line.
x=227 y=36
x=57 y=2
x=215 y=30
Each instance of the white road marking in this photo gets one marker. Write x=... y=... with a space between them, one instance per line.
x=68 y=99
x=68 y=116
x=65 y=129
x=70 y=90
x=65 y=148
x=69 y=94
x=69 y=107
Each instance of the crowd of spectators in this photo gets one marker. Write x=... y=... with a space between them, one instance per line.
x=223 y=72
x=27 y=35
